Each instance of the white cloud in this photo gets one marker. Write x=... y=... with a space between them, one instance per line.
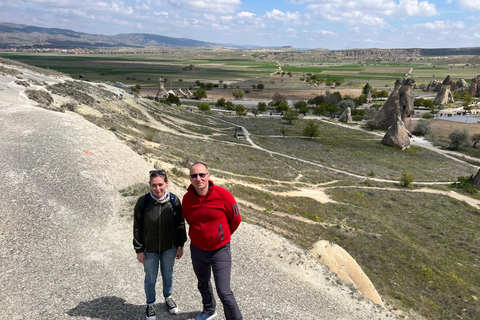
x=276 y=14
x=373 y=10
x=469 y=4
x=245 y=14
x=204 y=6
x=440 y=25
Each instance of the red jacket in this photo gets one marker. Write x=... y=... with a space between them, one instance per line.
x=213 y=218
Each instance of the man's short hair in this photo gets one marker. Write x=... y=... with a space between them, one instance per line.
x=199 y=162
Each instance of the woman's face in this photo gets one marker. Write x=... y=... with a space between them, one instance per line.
x=158 y=186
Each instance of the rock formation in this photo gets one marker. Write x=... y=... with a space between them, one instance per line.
x=346 y=116
x=476 y=180
x=401 y=99
x=397 y=135
x=474 y=89
x=434 y=86
x=461 y=85
x=162 y=92
x=189 y=68
x=444 y=95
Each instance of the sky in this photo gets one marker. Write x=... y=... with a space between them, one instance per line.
x=302 y=24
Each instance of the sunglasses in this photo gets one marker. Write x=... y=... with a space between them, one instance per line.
x=159 y=172
x=201 y=175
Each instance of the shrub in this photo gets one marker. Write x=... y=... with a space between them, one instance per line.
x=422 y=128
x=41 y=97
x=406 y=180
x=203 y=107
x=459 y=138
x=465 y=183
x=70 y=106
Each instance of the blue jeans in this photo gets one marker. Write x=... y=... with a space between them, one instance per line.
x=166 y=260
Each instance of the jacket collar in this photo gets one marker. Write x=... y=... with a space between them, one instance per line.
x=211 y=185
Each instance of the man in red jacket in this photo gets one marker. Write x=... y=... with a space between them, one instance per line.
x=213 y=216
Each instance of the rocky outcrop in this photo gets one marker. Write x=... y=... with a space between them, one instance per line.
x=474 y=88
x=400 y=100
x=183 y=94
x=434 y=86
x=444 y=95
x=189 y=68
x=162 y=92
x=476 y=180
x=397 y=135
x=461 y=85
x=346 y=116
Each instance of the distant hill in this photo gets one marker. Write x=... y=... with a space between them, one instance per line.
x=23 y=36
x=19 y=35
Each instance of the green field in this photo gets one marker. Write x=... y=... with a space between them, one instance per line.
x=234 y=69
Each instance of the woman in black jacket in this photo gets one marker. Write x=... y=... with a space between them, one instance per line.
x=158 y=238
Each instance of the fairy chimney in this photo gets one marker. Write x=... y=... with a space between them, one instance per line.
x=346 y=116
x=397 y=135
x=401 y=99
x=444 y=96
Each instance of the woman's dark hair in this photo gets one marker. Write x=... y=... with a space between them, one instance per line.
x=158 y=173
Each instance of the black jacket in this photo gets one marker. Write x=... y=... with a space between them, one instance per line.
x=156 y=228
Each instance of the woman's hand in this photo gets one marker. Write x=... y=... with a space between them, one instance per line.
x=179 y=253
x=141 y=257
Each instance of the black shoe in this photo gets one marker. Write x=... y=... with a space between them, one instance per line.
x=171 y=305
x=151 y=315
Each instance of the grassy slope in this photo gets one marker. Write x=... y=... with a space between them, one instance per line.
x=419 y=250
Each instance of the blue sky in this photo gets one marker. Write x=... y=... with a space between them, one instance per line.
x=329 y=24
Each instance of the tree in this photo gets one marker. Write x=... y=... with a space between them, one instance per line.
x=299 y=104
x=319 y=110
x=260 y=86
x=357 y=118
x=475 y=139
x=262 y=106
x=344 y=104
x=305 y=109
x=311 y=129
x=199 y=94
x=173 y=99
x=229 y=106
x=331 y=108
x=238 y=93
x=254 y=86
x=281 y=107
x=317 y=100
x=290 y=115
x=422 y=128
x=203 y=106
x=459 y=138
x=221 y=103
x=210 y=86
x=277 y=98
x=366 y=88
x=240 y=110
x=283 y=130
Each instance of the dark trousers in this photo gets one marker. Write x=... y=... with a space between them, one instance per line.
x=220 y=262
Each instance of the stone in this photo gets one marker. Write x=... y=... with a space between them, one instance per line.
x=401 y=99
x=444 y=95
x=474 y=88
x=434 y=86
x=346 y=116
x=397 y=135
x=476 y=180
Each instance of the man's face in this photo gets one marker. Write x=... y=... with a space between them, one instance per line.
x=196 y=172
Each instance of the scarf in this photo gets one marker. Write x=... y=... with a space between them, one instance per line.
x=161 y=200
